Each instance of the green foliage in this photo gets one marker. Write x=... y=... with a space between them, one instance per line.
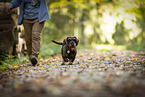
x=11 y=62
x=48 y=50
x=98 y=21
x=119 y=37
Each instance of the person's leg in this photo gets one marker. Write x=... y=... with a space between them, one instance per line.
x=28 y=36
x=36 y=33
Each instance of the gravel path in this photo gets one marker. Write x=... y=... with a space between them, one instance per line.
x=94 y=74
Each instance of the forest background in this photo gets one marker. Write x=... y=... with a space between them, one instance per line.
x=99 y=24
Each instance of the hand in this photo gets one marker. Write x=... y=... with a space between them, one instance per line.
x=9 y=8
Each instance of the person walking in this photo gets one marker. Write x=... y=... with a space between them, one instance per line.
x=33 y=14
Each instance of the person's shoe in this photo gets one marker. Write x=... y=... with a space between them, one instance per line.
x=34 y=61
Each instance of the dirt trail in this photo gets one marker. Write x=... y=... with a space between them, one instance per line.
x=94 y=74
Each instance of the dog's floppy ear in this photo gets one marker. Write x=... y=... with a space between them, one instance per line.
x=77 y=41
x=64 y=41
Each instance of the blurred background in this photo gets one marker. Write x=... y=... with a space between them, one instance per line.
x=99 y=24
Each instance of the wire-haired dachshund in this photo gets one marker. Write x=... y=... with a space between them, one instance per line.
x=68 y=50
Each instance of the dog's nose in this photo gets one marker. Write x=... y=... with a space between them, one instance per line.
x=72 y=44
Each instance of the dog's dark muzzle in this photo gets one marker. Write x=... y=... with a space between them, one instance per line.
x=72 y=43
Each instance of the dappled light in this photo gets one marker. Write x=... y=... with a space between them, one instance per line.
x=108 y=47
x=117 y=22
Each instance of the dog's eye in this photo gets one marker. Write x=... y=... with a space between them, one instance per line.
x=68 y=40
x=74 y=39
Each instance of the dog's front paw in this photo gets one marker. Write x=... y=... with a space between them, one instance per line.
x=70 y=63
x=63 y=63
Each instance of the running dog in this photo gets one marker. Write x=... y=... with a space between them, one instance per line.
x=68 y=50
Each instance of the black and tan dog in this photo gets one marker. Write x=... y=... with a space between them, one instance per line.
x=68 y=50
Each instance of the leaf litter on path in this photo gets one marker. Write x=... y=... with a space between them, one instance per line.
x=93 y=74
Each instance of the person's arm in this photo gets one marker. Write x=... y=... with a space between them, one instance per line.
x=14 y=4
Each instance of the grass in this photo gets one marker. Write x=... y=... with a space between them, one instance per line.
x=49 y=49
x=136 y=48
x=11 y=62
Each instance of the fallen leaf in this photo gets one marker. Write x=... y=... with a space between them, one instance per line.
x=88 y=60
x=91 y=67
x=41 y=59
x=16 y=85
x=16 y=66
x=42 y=68
x=56 y=57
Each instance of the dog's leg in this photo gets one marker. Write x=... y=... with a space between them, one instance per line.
x=70 y=63
x=63 y=62
x=72 y=60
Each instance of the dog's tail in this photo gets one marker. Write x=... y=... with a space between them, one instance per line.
x=59 y=43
